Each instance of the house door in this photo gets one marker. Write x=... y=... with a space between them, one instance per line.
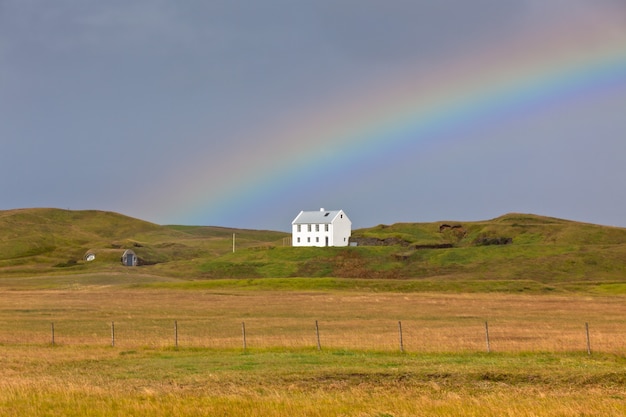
x=326 y=240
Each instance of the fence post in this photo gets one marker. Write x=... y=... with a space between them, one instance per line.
x=52 y=333
x=176 y=333
x=112 y=334
x=588 y=339
x=487 y=337
x=243 y=333
x=400 y=333
x=317 y=333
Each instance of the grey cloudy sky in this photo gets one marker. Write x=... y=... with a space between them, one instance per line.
x=149 y=107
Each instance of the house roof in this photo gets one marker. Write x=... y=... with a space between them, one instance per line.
x=316 y=217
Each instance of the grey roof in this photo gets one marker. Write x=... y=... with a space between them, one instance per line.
x=316 y=217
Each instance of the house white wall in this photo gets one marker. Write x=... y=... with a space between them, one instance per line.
x=321 y=228
x=341 y=230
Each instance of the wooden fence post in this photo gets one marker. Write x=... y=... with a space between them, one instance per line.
x=400 y=333
x=588 y=339
x=487 y=337
x=112 y=334
x=176 y=333
x=317 y=333
x=52 y=333
x=243 y=333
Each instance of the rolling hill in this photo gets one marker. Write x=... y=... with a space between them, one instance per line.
x=46 y=241
x=523 y=248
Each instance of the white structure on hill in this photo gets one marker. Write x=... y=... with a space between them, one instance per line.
x=321 y=228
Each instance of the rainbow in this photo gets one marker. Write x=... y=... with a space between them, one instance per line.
x=417 y=111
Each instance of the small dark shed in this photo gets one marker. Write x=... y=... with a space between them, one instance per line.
x=129 y=258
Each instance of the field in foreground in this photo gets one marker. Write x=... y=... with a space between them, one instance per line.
x=70 y=381
x=538 y=364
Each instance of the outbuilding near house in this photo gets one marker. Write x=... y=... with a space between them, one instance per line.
x=321 y=228
x=129 y=258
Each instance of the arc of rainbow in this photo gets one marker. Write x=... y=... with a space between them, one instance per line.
x=415 y=111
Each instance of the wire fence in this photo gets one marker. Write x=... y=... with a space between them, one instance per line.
x=401 y=336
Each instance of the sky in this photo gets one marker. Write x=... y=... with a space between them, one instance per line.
x=240 y=113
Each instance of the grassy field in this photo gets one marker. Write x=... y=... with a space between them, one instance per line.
x=401 y=328
x=538 y=364
x=70 y=381
x=431 y=322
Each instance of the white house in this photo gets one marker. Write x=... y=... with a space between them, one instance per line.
x=321 y=228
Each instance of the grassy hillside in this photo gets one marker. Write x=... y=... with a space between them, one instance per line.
x=519 y=248
x=511 y=247
x=44 y=241
x=524 y=229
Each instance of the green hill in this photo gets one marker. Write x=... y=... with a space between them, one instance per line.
x=513 y=246
x=519 y=248
x=48 y=241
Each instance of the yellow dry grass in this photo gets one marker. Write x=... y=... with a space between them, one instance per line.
x=430 y=322
x=538 y=365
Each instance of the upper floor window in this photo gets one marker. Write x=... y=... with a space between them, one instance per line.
x=309 y=227
x=317 y=227
x=299 y=228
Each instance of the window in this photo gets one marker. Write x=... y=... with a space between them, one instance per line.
x=308 y=239
x=299 y=228
x=317 y=227
x=309 y=227
x=298 y=240
x=317 y=239
x=326 y=227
